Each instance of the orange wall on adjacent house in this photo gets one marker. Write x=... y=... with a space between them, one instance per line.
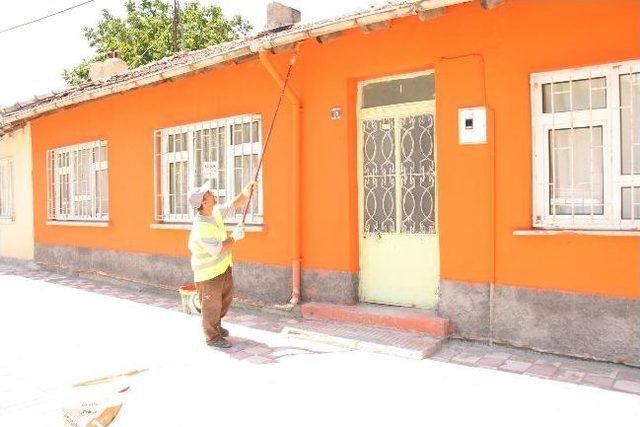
x=480 y=58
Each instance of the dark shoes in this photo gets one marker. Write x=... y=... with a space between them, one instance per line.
x=219 y=343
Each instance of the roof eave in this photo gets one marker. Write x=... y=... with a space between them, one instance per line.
x=6 y=123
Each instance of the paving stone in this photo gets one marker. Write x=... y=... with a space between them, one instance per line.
x=596 y=368
x=289 y=351
x=515 y=366
x=242 y=345
x=258 y=350
x=440 y=358
x=490 y=362
x=542 y=370
x=598 y=380
x=241 y=355
x=545 y=361
x=629 y=374
x=570 y=375
x=498 y=355
x=447 y=351
x=527 y=358
x=628 y=386
x=466 y=358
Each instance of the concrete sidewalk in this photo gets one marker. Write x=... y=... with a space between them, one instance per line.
x=54 y=335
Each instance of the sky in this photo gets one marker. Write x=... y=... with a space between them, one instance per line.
x=34 y=56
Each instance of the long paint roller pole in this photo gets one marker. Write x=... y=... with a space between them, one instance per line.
x=268 y=138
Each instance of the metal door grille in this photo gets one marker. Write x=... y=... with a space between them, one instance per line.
x=418 y=174
x=399 y=175
x=379 y=150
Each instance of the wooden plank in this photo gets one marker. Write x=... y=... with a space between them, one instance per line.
x=106 y=417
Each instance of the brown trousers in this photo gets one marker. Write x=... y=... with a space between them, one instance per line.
x=215 y=298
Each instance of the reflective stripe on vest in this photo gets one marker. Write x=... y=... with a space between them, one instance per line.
x=204 y=265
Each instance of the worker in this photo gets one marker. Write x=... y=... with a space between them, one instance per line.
x=211 y=257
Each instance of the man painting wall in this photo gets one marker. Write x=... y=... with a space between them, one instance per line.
x=211 y=258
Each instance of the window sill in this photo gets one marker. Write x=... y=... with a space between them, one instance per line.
x=98 y=224
x=564 y=232
x=7 y=220
x=253 y=228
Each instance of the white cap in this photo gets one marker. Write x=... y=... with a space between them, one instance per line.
x=197 y=194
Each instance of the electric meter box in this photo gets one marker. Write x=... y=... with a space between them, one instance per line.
x=472 y=125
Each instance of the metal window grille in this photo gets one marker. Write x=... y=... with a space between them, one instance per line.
x=586 y=139
x=6 y=189
x=224 y=151
x=77 y=182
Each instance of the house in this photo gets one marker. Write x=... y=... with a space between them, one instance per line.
x=472 y=157
x=16 y=196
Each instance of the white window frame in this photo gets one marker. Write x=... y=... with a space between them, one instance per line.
x=162 y=159
x=7 y=208
x=609 y=119
x=54 y=172
x=175 y=158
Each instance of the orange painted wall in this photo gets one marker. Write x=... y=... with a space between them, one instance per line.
x=127 y=122
x=480 y=57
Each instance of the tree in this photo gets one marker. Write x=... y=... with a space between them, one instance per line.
x=153 y=29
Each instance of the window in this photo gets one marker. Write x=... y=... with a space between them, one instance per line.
x=225 y=151
x=586 y=145
x=6 y=189
x=399 y=91
x=77 y=182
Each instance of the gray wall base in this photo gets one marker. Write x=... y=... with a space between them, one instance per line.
x=18 y=262
x=467 y=306
x=596 y=327
x=164 y=270
x=266 y=283
x=337 y=287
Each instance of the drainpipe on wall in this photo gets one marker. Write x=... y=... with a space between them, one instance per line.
x=491 y=135
x=295 y=178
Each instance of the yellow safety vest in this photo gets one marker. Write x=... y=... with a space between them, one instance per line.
x=208 y=231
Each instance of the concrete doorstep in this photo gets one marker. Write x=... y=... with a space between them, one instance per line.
x=399 y=318
x=410 y=345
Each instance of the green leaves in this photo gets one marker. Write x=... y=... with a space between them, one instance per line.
x=148 y=33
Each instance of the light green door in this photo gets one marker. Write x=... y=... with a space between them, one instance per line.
x=399 y=248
